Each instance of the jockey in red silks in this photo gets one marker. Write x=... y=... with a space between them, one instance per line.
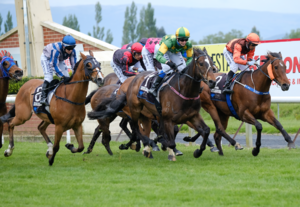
x=126 y=62
x=234 y=54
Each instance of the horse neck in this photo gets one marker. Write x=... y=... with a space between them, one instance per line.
x=77 y=91
x=189 y=87
x=262 y=82
x=3 y=89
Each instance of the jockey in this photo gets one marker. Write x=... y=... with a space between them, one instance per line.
x=148 y=54
x=52 y=59
x=234 y=54
x=128 y=46
x=123 y=59
x=169 y=53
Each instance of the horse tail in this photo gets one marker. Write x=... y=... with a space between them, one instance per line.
x=88 y=98
x=10 y=114
x=108 y=107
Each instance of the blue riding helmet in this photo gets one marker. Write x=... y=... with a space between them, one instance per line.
x=69 y=42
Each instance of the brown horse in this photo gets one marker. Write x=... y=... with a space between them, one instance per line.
x=175 y=110
x=67 y=112
x=255 y=106
x=14 y=73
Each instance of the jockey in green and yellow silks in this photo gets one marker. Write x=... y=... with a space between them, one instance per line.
x=169 y=53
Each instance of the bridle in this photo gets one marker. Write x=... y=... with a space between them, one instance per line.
x=272 y=78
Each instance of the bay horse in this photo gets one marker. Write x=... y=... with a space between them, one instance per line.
x=175 y=110
x=250 y=106
x=9 y=71
x=67 y=107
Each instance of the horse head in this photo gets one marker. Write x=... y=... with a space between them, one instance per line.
x=277 y=70
x=215 y=69
x=92 y=68
x=204 y=66
x=10 y=67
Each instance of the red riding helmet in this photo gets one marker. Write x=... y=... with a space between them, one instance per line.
x=136 y=47
x=253 y=38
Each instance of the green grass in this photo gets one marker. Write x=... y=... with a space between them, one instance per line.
x=129 y=179
x=289 y=118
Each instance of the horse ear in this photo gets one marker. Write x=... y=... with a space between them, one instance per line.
x=204 y=50
x=280 y=55
x=82 y=56
x=91 y=53
x=269 y=55
x=1 y=58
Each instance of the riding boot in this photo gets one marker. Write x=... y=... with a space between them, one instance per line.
x=45 y=91
x=155 y=86
x=227 y=83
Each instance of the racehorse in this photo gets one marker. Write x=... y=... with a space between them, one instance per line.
x=250 y=106
x=10 y=70
x=67 y=108
x=176 y=109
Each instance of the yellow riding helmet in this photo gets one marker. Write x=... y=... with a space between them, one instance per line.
x=182 y=32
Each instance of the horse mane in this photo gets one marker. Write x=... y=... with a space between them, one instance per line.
x=274 y=54
x=75 y=68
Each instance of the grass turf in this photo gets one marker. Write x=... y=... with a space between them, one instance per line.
x=128 y=179
x=289 y=117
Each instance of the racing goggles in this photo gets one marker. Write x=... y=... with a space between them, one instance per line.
x=183 y=39
x=70 y=47
x=253 y=44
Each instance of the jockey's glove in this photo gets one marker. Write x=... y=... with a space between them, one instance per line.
x=252 y=62
x=172 y=65
x=65 y=79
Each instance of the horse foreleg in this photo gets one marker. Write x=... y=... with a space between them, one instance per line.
x=1 y=133
x=200 y=126
x=123 y=125
x=96 y=135
x=249 y=118
x=58 y=133
x=270 y=118
x=42 y=128
x=106 y=134
x=78 y=135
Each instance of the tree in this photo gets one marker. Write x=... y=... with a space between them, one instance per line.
x=8 y=24
x=71 y=22
x=1 y=24
x=293 y=34
x=125 y=38
x=98 y=32
x=147 y=24
x=130 y=23
x=160 y=32
x=220 y=37
x=254 y=30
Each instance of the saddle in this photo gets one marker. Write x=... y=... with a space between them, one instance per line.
x=37 y=106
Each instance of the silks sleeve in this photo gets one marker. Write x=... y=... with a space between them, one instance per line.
x=237 y=55
x=160 y=54
x=189 y=55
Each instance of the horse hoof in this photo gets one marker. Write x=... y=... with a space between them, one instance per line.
x=138 y=147
x=292 y=145
x=178 y=153
x=238 y=147
x=197 y=153
x=69 y=146
x=48 y=155
x=214 y=149
x=155 y=148
x=187 y=139
x=123 y=147
x=147 y=154
x=221 y=153
x=50 y=163
x=171 y=158
x=109 y=150
x=255 y=151
x=6 y=154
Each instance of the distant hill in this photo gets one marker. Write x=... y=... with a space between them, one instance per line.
x=200 y=22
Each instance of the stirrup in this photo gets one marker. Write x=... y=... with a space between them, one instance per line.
x=45 y=102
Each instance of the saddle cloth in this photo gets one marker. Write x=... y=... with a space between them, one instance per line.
x=37 y=106
x=147 y=83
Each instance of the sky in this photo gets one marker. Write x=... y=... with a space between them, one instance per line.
x=286 y=6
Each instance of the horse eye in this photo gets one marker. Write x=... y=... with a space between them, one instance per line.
x=201 y=64
x=276 y=67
